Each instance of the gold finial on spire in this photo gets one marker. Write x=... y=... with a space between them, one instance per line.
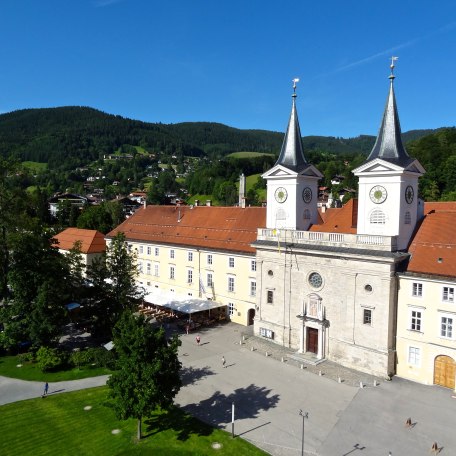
x=295 y=80
x=393 y=59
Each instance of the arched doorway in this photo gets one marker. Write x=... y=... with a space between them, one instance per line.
x=250 y=316
x=444 y=371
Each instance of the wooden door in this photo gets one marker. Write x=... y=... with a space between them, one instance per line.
x=312 y=340
x=444 y=371
x=251 y=316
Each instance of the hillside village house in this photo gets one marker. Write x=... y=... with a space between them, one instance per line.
x=324 y=283
x=92 y=245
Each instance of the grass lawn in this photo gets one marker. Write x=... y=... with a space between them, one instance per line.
x=247 y=154
x=60 y=425
x=35 y=167
x=30 y=371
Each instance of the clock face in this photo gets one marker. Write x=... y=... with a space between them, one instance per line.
x=307 y=195
x=378 y=194
x=280 y=195
x=409 y=193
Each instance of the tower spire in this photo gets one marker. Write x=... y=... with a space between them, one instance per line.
x=292 y=153
x=388 y=145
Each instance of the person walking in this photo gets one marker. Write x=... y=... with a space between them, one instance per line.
x=223 y=361
x=198 y=340
x=46 y=389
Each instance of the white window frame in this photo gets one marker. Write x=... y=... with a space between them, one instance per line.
x=140 y=267
x=231 y=308
x=407 y=218
x=189 y=275
x=209 y=259
x=253 y=288
x=377 y=217
x=209 y=279
x=172 y=272
x=231 y=284
x=231 y=262
x=172 y=254
x=148 y=268
x=149 y=250
x=369 y=313
x=417 y=289
x=141 y=249
x=270 y=293
x=416 y=319
x=414 y=356
x=189 y=256
x=448 y=294
x=156 y=251
x=253 y=265
x=156 y=269
x=449 y=326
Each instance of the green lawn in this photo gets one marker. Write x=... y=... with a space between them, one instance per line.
x=30 y=371
x=247 y=154
x=35 y=167
x=60 y=425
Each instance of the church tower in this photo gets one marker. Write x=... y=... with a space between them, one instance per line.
x=292 y=183
x=388 y=181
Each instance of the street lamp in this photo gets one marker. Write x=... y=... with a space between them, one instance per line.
x=304 y=416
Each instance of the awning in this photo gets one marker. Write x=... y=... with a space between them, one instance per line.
x=188 y=306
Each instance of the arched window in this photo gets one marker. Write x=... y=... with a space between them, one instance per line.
x=377 y=217
x=407 y=218
x=281 y=214
x=306 y=214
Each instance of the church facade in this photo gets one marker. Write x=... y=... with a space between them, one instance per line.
x=329 y=285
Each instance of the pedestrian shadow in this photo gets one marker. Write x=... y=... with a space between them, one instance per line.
x=204 y=343
x=191 y=374
x=249 y=401
x=355 y=448
x=56 y=391
x=230 y=365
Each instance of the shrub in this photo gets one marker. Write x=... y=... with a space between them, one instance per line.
x=48 y=358
x=28 y=357
x=102 y=357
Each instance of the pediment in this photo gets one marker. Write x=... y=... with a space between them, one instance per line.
x=311 y=171
x=415 y=167
x=279 y=171
x=377 y=166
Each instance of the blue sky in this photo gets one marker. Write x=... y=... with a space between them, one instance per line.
x=233 y=61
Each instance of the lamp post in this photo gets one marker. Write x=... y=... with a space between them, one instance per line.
x=304 y=416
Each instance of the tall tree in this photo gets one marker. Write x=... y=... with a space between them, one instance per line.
x=148 y=369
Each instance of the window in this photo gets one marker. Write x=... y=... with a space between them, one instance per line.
x=367 y=317
x=171 y=254
x=315 y=280
x=270 y=297
x=141 y=249
x=417 y=289
x=231 y=284
x=407 y=218
x=156 y=270
x=446 y=327
x=190 y=256
x=306 y=214
x=148 y=268
x=448 y=294
x=209 y=259
x=149 y=250
x=253 y=265
x=140 y=267
x=253 y=288
x=377 y=217
x=157 y=251
x=414 y=356
x=190 y=276
x=172 y=272
x=230 y=308
x=231 y=262
x=209 y=281
x=415 y=320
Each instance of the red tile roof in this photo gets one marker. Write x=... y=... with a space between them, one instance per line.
x=210 y=227
x=433 y=248
x=338 y=220
x=92 y=241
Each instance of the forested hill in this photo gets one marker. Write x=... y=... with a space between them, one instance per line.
x=82 y=134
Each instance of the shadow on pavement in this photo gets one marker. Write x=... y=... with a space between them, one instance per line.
x=191 y=374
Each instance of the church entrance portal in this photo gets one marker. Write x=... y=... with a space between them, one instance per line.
x=312 y=340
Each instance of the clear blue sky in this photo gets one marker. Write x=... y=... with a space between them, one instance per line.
x=232 y=61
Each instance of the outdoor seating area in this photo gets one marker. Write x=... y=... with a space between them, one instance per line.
x=185 y=321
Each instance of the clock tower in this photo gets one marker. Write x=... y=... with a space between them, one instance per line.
x=388 y=181
x=292 y=183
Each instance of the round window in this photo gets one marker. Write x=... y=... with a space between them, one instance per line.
x=315 y=280
x=368 y=288
x=270 y=273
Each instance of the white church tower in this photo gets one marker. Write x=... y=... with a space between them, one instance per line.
x=388 y=181
x=292 y=183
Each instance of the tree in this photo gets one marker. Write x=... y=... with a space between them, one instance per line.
x=147 y=374
x=114 y=288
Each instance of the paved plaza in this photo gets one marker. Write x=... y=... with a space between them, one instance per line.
x=343 y=419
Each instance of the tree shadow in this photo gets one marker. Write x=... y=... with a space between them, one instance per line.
x=214 y=412
x=192 y=374
x=249 y=401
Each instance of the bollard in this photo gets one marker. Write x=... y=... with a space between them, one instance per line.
x=361 y=385
x=435 y=447
x=319 y=373
x=282 y=359
x=252 y=349
x=240 y=342
x=267 y=354
x=339 y=380
x=375 y=383
x=302 y=366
